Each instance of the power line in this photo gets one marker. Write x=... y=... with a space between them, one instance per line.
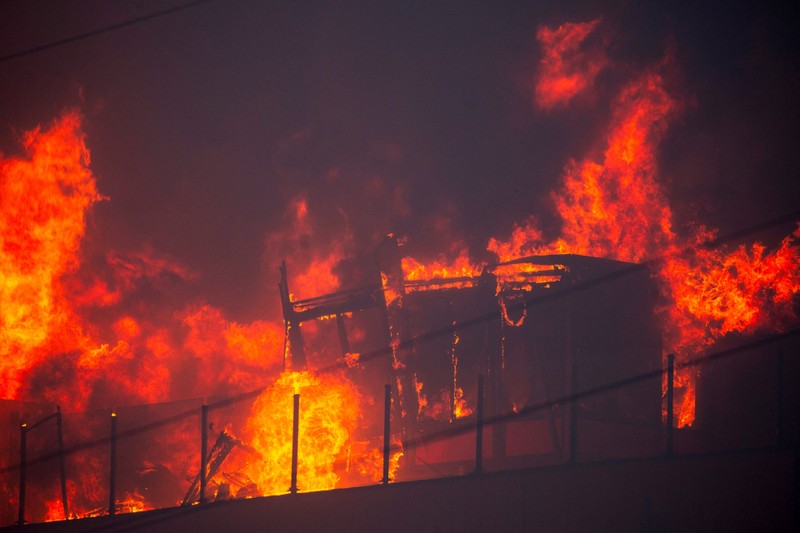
x=100 y=31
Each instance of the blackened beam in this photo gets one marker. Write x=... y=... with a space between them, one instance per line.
x=339 y=295
x=551 y=259
x=345 y=302
x=298 y=355
x=414 y=284
x=363 y=298
x=554 y=273
x=344 y=342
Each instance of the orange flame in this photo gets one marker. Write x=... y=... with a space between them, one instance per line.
x=311 y=268
x=614 y=207
x=43 y=201
x=566 y=67
x=54 y=510
x=440 y=268
x=329 y=415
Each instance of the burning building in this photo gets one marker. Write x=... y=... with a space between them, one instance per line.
x=147 y=362
x=539 y=329
x=541 y=361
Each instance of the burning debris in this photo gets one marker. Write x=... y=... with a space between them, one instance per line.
x=222 y=448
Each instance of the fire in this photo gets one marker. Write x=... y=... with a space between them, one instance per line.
x=441 y=268
x=312 y=267
x=131 y=352
x=329 y=414
x=43 y=203
x=461 y=409
x=566 y=67
x=367 y=463
x=716 y=293
x=613 y=206
x=55 y=510
x=233 y=354
x=610 y=204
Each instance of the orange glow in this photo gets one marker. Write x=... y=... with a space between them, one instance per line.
x=55 y=510
x=311 y=256
x=127 y=328
x=461 y=408
x=329 y=414
x=133 y=503
x=567 y=67
x=612 y=206
x=318 y=277
x=351 y=359
x=684 y=414
x=422 y=399
x=43 y=202
x=232 y=356
x=440 y=268
x=367 y=463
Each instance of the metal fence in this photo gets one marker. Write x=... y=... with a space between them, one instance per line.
x=75 y=465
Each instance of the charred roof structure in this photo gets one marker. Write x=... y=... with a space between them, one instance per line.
x=536 y=330
x=543 y=374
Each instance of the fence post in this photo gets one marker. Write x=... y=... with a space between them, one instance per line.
x=295 y=431
x=387 y=433
x=112 y=475
x=23 y=452
x=61 y=462
x=203 y=451
x=479 y=429
x=780 y=434
x=670 y=402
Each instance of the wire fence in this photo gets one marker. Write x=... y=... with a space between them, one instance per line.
x=749 y=401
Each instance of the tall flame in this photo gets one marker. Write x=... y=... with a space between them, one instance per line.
x=613 y=206
x=329 y=414
x=43 y=203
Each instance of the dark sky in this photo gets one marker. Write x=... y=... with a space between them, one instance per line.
x=413 y=117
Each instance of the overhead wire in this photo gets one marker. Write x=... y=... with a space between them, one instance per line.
x=100 y=31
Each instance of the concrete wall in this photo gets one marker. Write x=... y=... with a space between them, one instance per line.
x=742 y=491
